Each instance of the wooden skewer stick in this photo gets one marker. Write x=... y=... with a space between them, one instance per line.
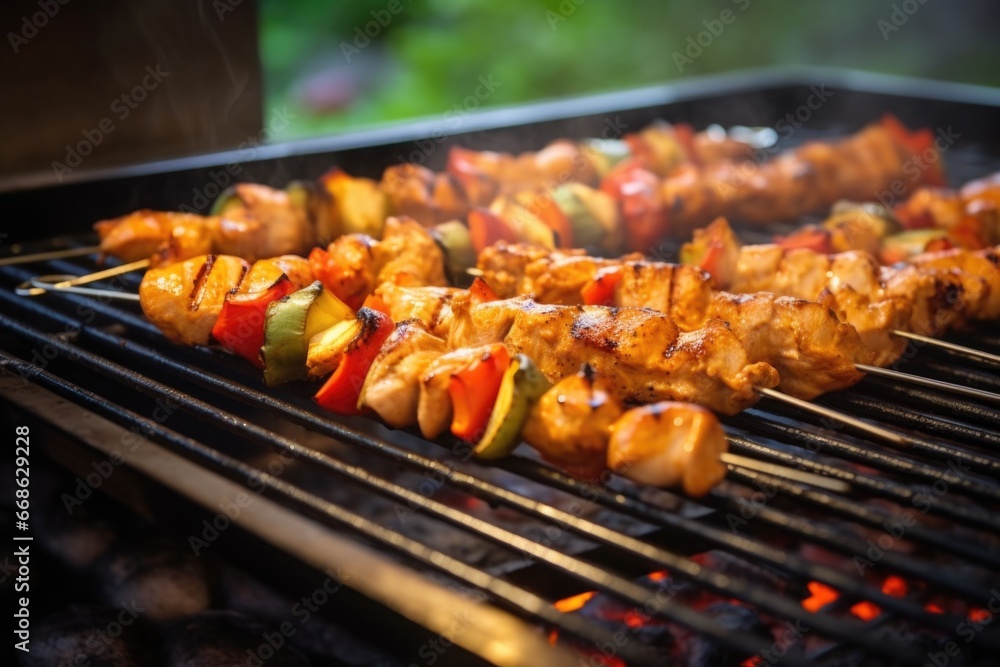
x=842 y=417
x=961 y=349
x=52 y=254
x=42 y=284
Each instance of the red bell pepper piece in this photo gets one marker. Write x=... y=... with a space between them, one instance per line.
x=636 y=190
x=685 y=137
x=482 y=292
x=920 y=144
x=340 y=393
x=601 y=290
x=473 y=392
x=376 y=303
x=468 y=169
x=811 y=238
x=326 y=269
x=240 y=326
x=969 y=233
x=549 y=212
x=486 y=228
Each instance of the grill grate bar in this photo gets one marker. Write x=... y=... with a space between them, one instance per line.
x=911 y=418
x=887 y=488
x=871 y=516
x=835 y=540
x=967 y=410
x=944 y=451
x=761 y=423
x=970 y=376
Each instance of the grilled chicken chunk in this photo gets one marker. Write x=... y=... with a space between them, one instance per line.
x=185 y=299
x=813 y=352
x=874 y=320
x=639 y=350
x=976 y=269
x=939 y=293
x=571 y=423
x=434 y=410
x=811 y=349
x=795 y=182
x=269 y=224
x=682 y=292
x=431 y=306
x=406 y=255
x=392 y=386
x=552 y=276
x=669 y=444
x=140 y=234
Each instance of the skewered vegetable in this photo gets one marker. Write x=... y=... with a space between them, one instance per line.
x=290 y=325
x=521 y=386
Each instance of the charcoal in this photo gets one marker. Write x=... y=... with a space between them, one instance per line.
x=162 y=577
x=700 y=651
x=312 y=634
x=226 y=638
x=89 y=635
x=734 y=566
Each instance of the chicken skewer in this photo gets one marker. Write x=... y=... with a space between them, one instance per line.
x=812 y=350
x=434 y=308
x=796 y=182
x=184 y=300
x=546 y=203
x=172 y=294
x=931 y=219
x=888 y=305
x=254 y=221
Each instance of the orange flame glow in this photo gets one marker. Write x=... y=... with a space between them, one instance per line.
x=895 y=586
x=866 y=611
x=821 y=595
x=569 y=604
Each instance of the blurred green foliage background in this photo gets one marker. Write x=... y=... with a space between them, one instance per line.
x=349 y=64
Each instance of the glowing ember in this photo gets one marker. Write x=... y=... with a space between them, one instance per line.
x=752 y=662
x=933 y=608
x=634 y=620
x=866 y=611
x=573 y=603
x=978 y=615
x=895 y=586
x=657 y=576
x=553 y=637
x=821 y=595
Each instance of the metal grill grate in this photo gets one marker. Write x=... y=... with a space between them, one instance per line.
x=955 y=556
